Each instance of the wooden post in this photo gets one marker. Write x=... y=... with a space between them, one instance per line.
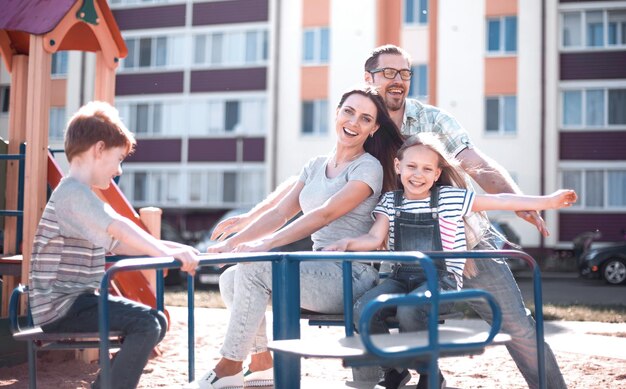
x=37 y=111
x=17 y=135
x=151 y=218
x=104 y=89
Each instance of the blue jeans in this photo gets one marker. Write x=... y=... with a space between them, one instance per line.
x=247 y=288
x=495 y=277
x=142 y=326
x=404 y=280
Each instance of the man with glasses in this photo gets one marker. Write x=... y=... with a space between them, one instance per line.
x=388 y=67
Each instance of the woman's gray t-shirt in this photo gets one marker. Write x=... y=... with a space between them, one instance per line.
x=318 y=188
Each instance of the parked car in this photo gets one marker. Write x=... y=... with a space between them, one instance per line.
x=607 y=263
x=210 y=275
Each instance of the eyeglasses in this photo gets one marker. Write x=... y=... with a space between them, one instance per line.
x=390 y=73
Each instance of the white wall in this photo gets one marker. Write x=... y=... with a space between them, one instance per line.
x=288 y=120
x=415 y=40
x=351 y=41
x=524 y=158
x=461 y=85
x=552 y=111
x=460 y=60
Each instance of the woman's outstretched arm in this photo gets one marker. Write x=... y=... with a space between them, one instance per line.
x=269 y=221
x=342 y=202
x=237 y=223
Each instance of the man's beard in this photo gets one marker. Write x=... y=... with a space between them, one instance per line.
x=395 y=104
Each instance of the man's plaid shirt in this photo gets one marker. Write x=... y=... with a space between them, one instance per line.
x=420 y=117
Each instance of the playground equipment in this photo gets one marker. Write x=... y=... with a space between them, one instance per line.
x=286 y=311
x=30 y=32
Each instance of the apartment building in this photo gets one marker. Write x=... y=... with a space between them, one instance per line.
x=194 y=89
x=587 y=112
x=229 y=98
x=469 y=57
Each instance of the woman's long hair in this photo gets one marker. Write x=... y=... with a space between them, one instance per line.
x=386 y=141
x=451 y=173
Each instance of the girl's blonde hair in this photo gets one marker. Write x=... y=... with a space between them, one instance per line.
x=451 y=172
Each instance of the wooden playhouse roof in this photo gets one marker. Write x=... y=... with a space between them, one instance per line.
x=21 y=18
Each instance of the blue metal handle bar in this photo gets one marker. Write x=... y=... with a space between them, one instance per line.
x=103 y=306
x=347 y=259
x=205 y=260
x=11 y=213
x=13 y=307
x=410 y=299
x=144 y=263
x=286 y=299
x=433 y=348
x=10 y=157
x=537 y=294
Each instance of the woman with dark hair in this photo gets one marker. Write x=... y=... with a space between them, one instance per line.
x=336 y=194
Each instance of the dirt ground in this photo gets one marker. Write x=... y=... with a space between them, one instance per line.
x=493 y=369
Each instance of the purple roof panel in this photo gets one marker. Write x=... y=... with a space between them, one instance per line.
x=33 y=16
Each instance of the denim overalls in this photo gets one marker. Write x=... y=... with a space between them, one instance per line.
x=412 y=231
x=418 y=232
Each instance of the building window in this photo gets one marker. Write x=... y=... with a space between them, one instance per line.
x=316 y=46
x=195 y=116
x=593 y=107
x=571 y=30
x=242 y=116
x=195 y=187
x=140 y=187
x=597 y=188
x=5 y=93
x=593 y=29
x=231 y=116
x=166 y=188
x=502 y=35
x=315 y=117
x=154 y=52
x=616 y=34
x=229 y=187
x=231 y=48
x=419 y=82
x=416 y=11
x=56 y=123
x=501 y=115
x=254 y=184
x=198 y=187
x=144 y=118
x=59 y=64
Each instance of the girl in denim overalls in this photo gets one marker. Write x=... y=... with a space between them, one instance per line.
x=427 y=215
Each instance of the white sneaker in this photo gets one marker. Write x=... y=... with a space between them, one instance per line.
x=258 y=378
x=211 y=381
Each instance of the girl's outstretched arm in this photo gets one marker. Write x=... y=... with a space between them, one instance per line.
x=373 y=240
x=514 y=202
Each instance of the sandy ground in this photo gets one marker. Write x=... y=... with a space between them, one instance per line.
x=493 y=369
